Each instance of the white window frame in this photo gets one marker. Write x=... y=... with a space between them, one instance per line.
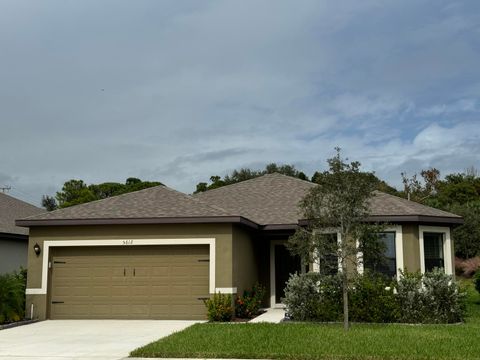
x=447 y=246
x=398 y=230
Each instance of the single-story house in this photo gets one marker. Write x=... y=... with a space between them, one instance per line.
x=158 y=253
x=13 y=239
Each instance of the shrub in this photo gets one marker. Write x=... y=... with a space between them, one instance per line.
x=476 y=280
x=219 y=307
x=248 y=305
x=372 y=299
x=12 y=296
x=432 y=298
x=312 y=296
x=467 y=267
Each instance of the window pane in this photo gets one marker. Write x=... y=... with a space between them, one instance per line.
x=433 y=250
x=387 y=265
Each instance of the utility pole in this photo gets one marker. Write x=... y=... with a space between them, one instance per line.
x=5 y=189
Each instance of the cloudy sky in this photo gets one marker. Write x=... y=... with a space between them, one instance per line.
x=176 y=91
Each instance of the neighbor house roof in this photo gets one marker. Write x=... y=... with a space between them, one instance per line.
x=12 y=209
x=270 y=201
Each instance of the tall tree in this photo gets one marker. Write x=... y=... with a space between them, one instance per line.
x=340 y=203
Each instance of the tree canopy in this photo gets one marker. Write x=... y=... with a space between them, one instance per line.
x=458 y=193
x=76 y=192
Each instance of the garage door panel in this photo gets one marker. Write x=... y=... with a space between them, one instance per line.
x=158 y=282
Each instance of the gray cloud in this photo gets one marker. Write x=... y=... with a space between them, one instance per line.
x=178 y=91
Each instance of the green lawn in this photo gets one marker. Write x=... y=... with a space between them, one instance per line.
x=324 y=341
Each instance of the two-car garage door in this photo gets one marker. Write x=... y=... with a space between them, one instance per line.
x=130 y=282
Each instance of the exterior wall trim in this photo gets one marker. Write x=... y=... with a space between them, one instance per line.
x=125 y=243
x=273 y=302
x=447 y=246
x=226 y=290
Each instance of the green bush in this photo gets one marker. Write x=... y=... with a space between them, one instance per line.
x=248 y=305
x=312 y=296
x=219 y=307
x=432 y=298
x=476 y=280
x=12 y=296
x=372 y=299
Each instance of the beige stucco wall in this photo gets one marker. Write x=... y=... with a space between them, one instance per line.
x=245 y=261
x=221 y=232
x=411 y=247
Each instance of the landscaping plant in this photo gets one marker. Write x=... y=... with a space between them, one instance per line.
x=248 y=305
x=476 y=280
x=12 y=296
x=372 y=299
x=219 y=307
x=313 y=297
x=433 y=298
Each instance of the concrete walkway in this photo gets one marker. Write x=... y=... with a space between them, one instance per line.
x=274 y=315
x=83 y=339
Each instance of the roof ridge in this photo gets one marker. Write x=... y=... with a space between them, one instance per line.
x=255 y=179
x=198 y=200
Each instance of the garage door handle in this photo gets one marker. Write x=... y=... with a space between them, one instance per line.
x=58 y=302
x=204 y=260
x=203 y=298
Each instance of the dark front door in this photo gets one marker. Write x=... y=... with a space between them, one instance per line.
x=285 y=264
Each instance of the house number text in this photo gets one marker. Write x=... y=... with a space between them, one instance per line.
x=127 y=242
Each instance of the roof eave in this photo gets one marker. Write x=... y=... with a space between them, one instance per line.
x=421 y=219
x=137 y=221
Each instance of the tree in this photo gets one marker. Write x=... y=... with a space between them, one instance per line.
x=49 y=203
x=246 y=174
x=417 y=190
x=340 y=203
x=76 y=192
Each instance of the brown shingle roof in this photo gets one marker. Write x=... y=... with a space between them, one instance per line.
x=274 y=198
x=271 y=199
x=155 y=202
x=12 y=209
x=383 y=204
x=268 y=199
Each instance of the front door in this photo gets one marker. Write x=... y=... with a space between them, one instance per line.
x=285 y=265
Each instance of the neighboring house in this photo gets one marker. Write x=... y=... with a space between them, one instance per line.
x=13 y=239
x=158 y=253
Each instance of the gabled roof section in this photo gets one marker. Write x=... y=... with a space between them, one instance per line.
x=143 y=206
x=271 y=199
x=12 y=209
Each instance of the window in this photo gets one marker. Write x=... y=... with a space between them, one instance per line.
x=433 y=250
x=329 y=260
x=387 y=265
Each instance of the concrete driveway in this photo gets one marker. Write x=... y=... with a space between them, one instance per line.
x=83 y=339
